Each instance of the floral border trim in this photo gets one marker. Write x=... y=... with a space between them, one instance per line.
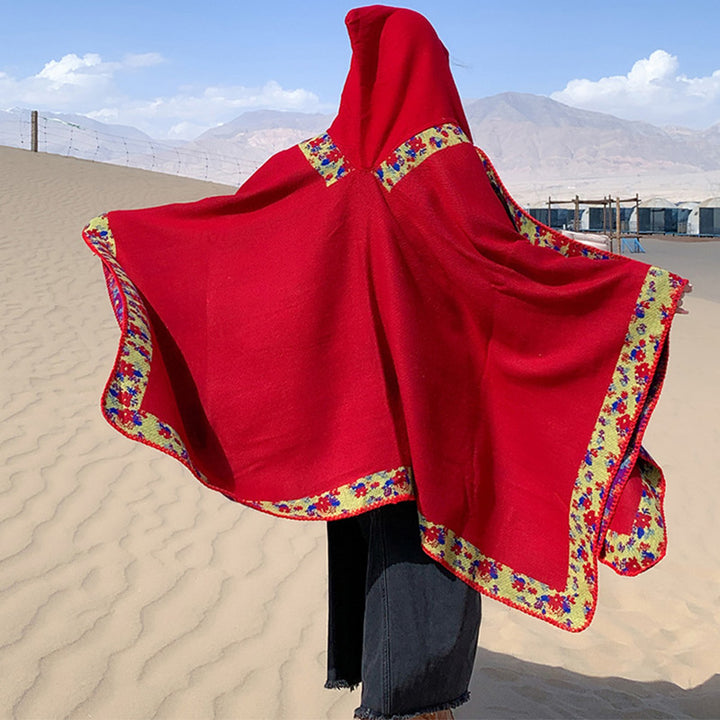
x=325 y=156
x=646 y=543
x=125 y=389
x=417 y=149
x=379 y=488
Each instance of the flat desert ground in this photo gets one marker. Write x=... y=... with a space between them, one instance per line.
x=128 y=590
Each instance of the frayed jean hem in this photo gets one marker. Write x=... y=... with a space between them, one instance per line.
x=341 y=685
x=365 y=713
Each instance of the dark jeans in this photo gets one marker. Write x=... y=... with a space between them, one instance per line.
x=398 y=622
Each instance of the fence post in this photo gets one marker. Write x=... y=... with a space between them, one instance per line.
x=576 y=219
x=34 y=131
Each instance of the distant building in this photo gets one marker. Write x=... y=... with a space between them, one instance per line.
x=658 y=215
x=705 y=218
x=683 y=218
x=560 y=218
x=599 y=218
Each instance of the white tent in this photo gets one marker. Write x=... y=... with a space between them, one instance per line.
x=658 y=204
x=704 y=219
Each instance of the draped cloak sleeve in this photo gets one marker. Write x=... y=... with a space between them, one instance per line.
x=371 y=319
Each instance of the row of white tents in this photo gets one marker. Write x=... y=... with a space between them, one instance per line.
x=656 y=215
x=690 y=218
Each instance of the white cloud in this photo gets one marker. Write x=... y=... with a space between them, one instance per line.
x=73 y=70
x=72 y=83
x=87 y=85
x=653 y=90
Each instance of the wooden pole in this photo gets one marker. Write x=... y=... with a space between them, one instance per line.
x=576 y=223
x=549 y=210
x=606 y=219
x=617 y=224
x=34 y=131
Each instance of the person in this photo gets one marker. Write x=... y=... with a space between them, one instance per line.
x=372 y=333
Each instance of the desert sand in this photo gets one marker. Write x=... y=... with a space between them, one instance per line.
x=127 y=590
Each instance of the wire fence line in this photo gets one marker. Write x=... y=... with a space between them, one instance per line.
x=60 y=136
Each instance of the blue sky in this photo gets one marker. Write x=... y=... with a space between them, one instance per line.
x=176 y=68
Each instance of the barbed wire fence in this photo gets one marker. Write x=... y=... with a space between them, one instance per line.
x=62 y=137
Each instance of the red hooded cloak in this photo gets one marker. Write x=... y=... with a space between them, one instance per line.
x=371 y=318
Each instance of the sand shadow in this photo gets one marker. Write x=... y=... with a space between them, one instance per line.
x=505 y=687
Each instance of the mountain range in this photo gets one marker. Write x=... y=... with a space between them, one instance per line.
x=539 y=146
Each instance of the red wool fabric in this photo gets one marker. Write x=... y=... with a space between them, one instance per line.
x=371 y=319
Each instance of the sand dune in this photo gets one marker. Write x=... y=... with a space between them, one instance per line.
x=129 y=591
